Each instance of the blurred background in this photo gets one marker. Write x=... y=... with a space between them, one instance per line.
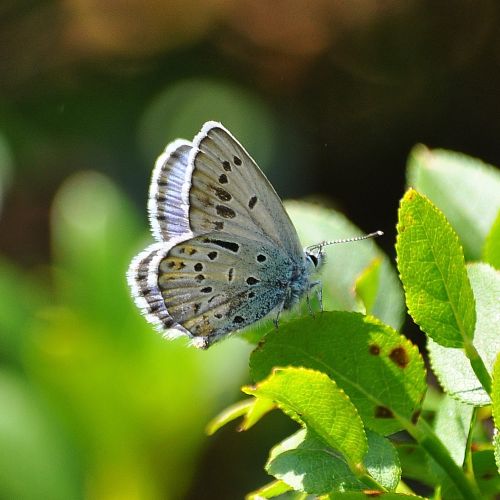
x=329 y=97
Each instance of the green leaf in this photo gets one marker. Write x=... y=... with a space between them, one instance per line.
x=465 y=189
x=367 y=284
x=270 y=490
x=382 y=372
x=314 y=400
x=414 y=463
x=367 y=494
x=491 y=251
x=495 y=396
x=451 y=366
x=252 y=410
x=432 y=269
x=307 y=464
x=382 y=461
x=229 y=414
x=452 y=425
x=346 y=262
x=486 y=473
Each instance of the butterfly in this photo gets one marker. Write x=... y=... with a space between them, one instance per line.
x=226 y=252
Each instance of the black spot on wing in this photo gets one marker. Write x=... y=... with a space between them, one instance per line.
x=252 y=201
x=228 y=245
x=198 y=267
x=223 y=178
x=236 y=160
x=222 y=194
x=225 y=211
x=226 y=166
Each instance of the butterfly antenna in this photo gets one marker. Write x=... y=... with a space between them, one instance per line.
x=346 y=240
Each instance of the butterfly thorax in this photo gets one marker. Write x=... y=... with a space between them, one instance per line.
x=301 y=281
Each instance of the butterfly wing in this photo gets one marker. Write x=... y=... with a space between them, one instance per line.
x=230 y=193
x=209 y=285
x=168 y=204
x=227 y=249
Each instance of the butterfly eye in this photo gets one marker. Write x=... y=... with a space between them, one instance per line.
x=313 y=259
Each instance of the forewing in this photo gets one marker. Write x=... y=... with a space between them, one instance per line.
x=168 y=203
x=230 y=193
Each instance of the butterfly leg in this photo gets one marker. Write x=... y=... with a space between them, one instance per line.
x=308 y=300
x=319 y=293
x=276 y=320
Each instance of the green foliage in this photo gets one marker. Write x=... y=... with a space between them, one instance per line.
x=452 y=366
x=431 y=266
x=465 y=189
x=381 y=371
x=491 y=251
x=495 y=394
x=353 y=382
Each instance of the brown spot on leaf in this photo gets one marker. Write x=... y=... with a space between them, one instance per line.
x=383 y=412
x=374 y=349
x=373 y=493
x=415 y=416
x=399 y=356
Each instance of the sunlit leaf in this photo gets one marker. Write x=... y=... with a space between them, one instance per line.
x=495 y=395
x=452 y=425
x=270 y=490
x=314 y=400
x=306 y=463
x=431 y=264
x=367 y=284
x=382 y=372
x=465 y=189
x=491 y=251
x=451 y=366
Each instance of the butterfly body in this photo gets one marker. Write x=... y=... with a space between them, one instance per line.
x=227 y=253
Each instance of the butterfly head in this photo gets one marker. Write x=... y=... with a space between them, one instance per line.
x=315 y=258
x=315 y=254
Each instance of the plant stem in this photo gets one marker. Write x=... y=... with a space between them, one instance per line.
x=435 y=448
x=478 y=366
x=363 y=475
x=468 y=467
